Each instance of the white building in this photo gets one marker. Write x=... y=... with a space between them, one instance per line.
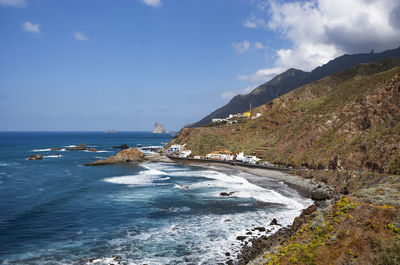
x=246 y=158
x=185 y=153
x=175 y=148
x=218 y=120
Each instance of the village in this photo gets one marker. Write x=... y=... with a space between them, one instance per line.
x=178 y=151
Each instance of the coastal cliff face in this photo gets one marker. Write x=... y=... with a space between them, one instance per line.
x=349 y=120
x=158 y=128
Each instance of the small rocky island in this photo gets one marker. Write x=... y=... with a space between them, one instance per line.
x=158 y=128
x=126 y=155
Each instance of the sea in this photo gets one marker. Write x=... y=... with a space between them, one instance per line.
x=56 y=211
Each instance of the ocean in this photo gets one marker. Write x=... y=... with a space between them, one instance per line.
x=56 y=211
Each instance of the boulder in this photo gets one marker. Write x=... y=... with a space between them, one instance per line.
x=80 y=147
x=321 y=193
x=226 y=194
x=241 y=238
x=126 y=155
x=35 y=157
x=55 y=149
x=92 y=149
x=274 y=222
x=261 y=228
x=122 y=146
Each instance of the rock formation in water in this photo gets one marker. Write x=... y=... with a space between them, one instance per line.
x=35 y=157
x=80 y=147
x=158 y=128
x=126 y=155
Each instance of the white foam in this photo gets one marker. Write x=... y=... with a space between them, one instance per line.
x=146 y=177
x=98 y=151
x=41 y=150
x=72 y=145
x=52 y=156
x=139 y=180
x=241 y=187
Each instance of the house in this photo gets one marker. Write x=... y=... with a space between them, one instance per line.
x=184 y=153
x=224 y=155
x=247 y=158
x=175 y=148
x=218 y=120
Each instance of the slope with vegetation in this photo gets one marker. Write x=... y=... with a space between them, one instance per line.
x=292 y=79
x=348 y=120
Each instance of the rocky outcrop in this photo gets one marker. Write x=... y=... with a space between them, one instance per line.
x=122 y=146
x=322 y=193
x=36 y=157
x=124 y=156
x=80 y=147
x=92 y=149
x=158 y=128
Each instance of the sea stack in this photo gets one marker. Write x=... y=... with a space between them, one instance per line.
x=158 y=128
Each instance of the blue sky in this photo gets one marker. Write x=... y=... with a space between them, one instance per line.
x=93 y=65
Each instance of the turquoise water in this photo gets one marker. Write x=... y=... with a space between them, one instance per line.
x=55 y=211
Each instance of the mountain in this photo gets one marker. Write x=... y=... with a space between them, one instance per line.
x=289 y=80
x=158 y=128
x=348 y=120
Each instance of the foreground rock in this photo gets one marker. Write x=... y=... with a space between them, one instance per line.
x=126 y=155
x=36 y=157
x=80 y=147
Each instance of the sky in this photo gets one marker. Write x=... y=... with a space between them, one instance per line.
x=86 y=65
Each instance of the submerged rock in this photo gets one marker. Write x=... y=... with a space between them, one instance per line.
x=35 y=157
x=126 y=155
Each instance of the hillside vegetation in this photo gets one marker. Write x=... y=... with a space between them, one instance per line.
x=292 y=79
x=348 y=120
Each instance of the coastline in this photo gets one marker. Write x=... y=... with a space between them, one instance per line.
x=307 y=187
x=252 y=252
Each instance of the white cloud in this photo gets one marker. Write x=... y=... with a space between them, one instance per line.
x=153 y=3
x=258 y=45
x=15 y=3
x=30 y=27
x=80 y=36
x=231 y=93
x=254 y=22
x=262 y=75
x=321 y=30
x=241 y=47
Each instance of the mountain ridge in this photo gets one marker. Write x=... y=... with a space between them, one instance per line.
x=290 y=80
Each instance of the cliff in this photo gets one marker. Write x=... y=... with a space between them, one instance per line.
x=158 y=128
x=348 y=120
